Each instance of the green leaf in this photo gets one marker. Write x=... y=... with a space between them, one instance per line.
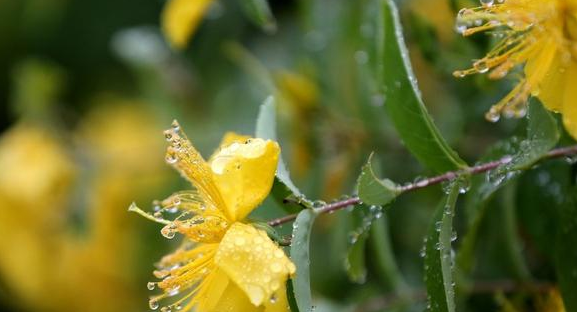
x=355 y=261
x=483 y=188
x=300 y=255
x=566 y=253
x=542 y=135
x=386 y=265
x=266 y=129
x=361 y=221
x=290 y=293
x=438 y=258
x=260 y=13
x=403 y=100
x=374 y=191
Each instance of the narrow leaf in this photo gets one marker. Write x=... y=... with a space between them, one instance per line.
x=384 y=257
x=290 y=293
x=438 y=257
x=566 y=253
x=266 y=129
x=403 y=99
x=260 y=13
x=361 y=221
x=482 y=190
x=374 y=191
x=300 y=255
x=542 y=135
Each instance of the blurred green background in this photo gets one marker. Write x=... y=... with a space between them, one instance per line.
x=86 y=88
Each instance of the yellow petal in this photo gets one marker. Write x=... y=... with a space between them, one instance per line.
x=570 y=102
x=228 y=139
x=180 y=18
x=549 y=88
x=278 y=302
x=253 y=262
x=541 y=72
x=234 y=299
x=216 y=288
x=244 y=174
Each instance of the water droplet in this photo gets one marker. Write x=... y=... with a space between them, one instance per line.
x=493 y=115
x=168 y=135
x=438 y=226
x=362 y=57
x=168 y=231
x=171 y=158
x=319 y=204
x=175 y=126
x=273 y=299
x=481 y=66
x=487 y=3
x=150 y=285
x=153 y=304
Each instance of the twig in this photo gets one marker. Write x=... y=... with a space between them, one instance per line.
x=325 y=209
x=487 y=287
x=448 y=176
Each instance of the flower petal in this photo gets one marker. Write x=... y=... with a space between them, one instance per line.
x=180 y=18
x=253 y=262
x=233 y=299
x=278 y=301
x=228 y=139
x=545 y=71
x=569 y=103
x=244 y=174
x=217 y=287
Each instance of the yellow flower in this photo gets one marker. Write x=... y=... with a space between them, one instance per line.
x=223 y=263
x=180 y=18
x=542 y=36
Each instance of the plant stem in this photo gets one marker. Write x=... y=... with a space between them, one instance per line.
x=448 y=176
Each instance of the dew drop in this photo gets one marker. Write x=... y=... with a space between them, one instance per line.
x=150 y=285
x=171 y=158
x=153 y=304
x=481 y=66
x=168 y=231
x=493 y=115
x=487 y=3
x=273 y=299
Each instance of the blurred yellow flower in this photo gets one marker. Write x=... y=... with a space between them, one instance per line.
x=223 y=263
x=542 y=36
x=180 y=18
x=37 y=173
x=40 y=186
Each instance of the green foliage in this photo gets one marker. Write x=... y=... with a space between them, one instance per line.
x=374 y=191
x=260 y=13
x=565 y=251
x=340 y=80
x=439 y=253
x=300 y=255
x=403 y=100
x=283 y=187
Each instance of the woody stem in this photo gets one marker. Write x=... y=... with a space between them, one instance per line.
x=448 y=176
